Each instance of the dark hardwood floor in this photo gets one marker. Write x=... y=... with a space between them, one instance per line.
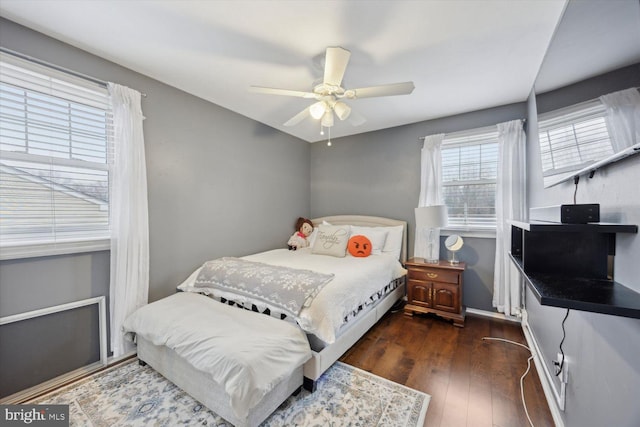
x=472 y=382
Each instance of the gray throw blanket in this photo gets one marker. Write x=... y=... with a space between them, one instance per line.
x=285 y=288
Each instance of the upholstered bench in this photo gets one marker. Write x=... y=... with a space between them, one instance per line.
x=242 y=365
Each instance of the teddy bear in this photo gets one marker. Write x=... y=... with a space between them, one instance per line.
x=304 y=227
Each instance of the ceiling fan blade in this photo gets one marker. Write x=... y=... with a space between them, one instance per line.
x=356 y=119
x=335 y=64
x=298 y=117
x=284 y=92
x=404 y=88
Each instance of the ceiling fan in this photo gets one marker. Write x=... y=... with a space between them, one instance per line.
x=329 y=94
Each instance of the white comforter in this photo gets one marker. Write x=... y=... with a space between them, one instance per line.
x=356 y=279
x=247 y=353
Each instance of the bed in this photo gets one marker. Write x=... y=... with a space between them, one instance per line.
x=331 y=321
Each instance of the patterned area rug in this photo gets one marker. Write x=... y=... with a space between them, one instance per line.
x=134 y=395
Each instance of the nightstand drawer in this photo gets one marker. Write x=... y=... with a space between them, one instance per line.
x=434 y=275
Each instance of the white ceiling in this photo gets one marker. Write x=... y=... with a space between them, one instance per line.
x=461 y=55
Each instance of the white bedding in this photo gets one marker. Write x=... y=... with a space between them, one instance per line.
x=247 y=353
x=356 y=279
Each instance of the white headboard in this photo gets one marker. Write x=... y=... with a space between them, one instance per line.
x=368 y=221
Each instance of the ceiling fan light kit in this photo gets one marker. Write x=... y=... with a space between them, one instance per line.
x=329 y=93
x=317 y=110
x=342 y=110
x=327 y=119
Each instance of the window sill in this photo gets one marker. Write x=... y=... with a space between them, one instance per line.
x=51 y=249
x=477 y=232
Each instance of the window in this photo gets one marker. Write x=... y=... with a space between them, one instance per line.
x=54 y=157
x=469 y=173
x=572 y=138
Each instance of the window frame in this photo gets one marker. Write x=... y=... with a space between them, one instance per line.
x=54 y=243
x=470 y=137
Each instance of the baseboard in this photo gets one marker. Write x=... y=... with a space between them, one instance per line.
x=62 y=380
x=544 y=375
x=115 y=360
x=492 y=314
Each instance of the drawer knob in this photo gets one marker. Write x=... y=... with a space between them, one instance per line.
x=432 y=275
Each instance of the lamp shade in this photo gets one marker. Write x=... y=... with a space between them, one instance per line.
x=317 y=110
x=342 y=110
x=431 y=216
x=327 y=119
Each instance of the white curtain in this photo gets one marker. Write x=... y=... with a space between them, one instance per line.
x=430 y=183
x=129 y=286
x=623 y=118
x=510 y=205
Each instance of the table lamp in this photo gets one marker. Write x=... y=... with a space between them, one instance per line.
x=429 y=220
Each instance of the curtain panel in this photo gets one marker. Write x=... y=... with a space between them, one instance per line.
x=510 y=205
x=129 y=282
x=623 y=118
x=430 y=185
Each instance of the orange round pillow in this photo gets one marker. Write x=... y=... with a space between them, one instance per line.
x=359 y=246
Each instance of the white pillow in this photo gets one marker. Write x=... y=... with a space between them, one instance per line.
x=312 y=236
x=314 y=233
x=377 y=236
x=393 y=244
x=331 y=240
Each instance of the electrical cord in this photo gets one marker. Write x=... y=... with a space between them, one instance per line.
x=524 y=404
x=507 y=341
x=576 y=179
x=564 y=335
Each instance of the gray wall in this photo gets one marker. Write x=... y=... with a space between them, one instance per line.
x=32 y=351
x=218 y=184
x=602 y=350
x=378 y=173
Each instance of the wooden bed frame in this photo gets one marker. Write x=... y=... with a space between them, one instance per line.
x=213 y=396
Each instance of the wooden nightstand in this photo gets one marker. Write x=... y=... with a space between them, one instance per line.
x=435 y=288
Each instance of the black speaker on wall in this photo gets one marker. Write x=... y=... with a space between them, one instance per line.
x=580 y=214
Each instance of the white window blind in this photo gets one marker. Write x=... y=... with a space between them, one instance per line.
x=469 y=172
x=572 y=138
x=55 y=132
